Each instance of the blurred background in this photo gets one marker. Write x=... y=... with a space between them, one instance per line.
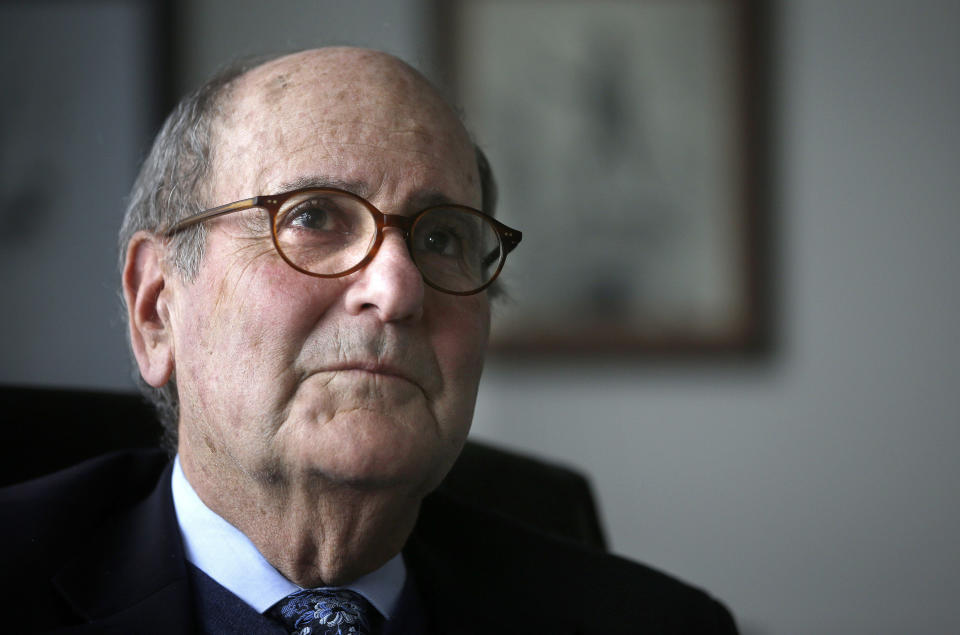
x=807 y=474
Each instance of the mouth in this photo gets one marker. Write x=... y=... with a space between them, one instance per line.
x=377 y=369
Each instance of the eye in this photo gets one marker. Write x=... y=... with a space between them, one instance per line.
x=325 y=232
x=454 y=247
x=320 y=215
x=444 y=233
x=442 y=241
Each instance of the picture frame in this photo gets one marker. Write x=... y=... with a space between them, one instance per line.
x=624 y=137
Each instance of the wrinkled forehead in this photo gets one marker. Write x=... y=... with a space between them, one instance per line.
x=344 y=114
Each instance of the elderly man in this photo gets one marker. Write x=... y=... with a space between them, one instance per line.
x=315 y=338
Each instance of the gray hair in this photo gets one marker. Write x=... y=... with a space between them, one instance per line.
x=170 y=186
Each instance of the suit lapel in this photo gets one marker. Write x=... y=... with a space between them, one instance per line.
x=131 y=576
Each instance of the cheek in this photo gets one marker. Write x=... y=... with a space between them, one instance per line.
x=267 y=296
x=460 y=343
x=247 y=327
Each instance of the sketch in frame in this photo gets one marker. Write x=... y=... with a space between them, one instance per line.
x=615 y=130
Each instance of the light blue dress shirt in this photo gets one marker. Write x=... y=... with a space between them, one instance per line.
x=225 y=554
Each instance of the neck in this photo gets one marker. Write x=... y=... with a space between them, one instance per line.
x=313 y=531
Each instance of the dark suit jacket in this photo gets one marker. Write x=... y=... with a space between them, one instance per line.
x=96 y=549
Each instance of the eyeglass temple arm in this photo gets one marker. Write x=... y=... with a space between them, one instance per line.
x=213 y=212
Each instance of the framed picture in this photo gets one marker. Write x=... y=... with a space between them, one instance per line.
x=621 y=134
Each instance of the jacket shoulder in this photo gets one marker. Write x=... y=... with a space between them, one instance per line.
x=47 y=516
x=490 y=557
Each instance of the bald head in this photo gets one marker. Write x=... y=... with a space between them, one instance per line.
x=336 y=105
x=348 y=72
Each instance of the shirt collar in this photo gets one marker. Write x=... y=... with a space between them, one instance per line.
x=225 y=554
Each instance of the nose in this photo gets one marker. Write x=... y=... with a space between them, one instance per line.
x=390 y=285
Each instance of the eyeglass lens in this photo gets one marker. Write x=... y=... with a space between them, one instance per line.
x=329 y=233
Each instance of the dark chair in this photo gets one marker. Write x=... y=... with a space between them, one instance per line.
x=44 y=430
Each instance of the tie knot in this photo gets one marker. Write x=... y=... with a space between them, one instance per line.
x=326 y=612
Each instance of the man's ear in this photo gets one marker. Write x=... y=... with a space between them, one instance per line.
x=148 y=311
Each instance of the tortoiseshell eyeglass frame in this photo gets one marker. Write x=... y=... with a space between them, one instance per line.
x=508 y=237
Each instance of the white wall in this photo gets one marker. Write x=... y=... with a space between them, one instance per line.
x=816 y=492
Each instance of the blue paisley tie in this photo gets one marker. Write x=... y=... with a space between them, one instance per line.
x=326 y=612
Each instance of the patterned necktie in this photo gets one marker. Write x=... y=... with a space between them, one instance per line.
x=326 y=612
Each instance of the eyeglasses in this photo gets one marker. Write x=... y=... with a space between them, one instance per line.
x=329 y=233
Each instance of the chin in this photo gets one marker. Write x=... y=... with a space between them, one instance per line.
x=379 y=453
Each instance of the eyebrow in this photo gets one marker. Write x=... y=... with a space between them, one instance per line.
x=354 y=187
x=419 y=200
